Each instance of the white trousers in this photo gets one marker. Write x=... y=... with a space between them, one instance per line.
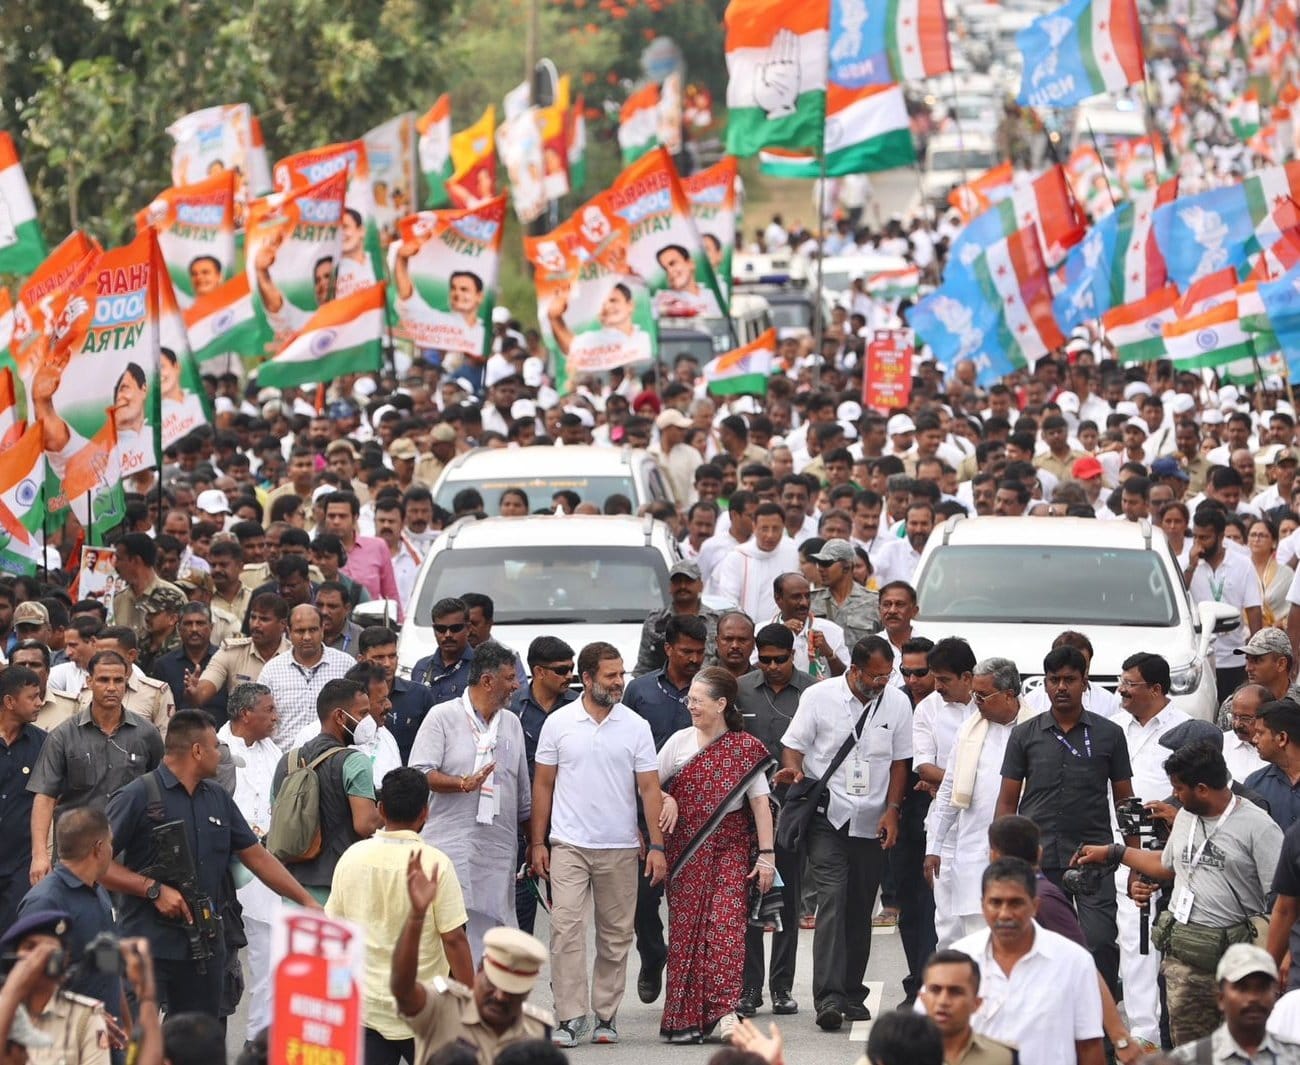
x=1139 y=973
x=258 y=991
x=947 y=925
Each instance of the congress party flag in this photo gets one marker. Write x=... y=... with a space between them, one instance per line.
x=360 y=261
x=445 y=270
x=195 y=226
x=875 y=42
x=777 y=73
x=474 y=162
x=1083 y=48
x=1135 y=330
x=1047 y=204
x=215 y=138
x=21 y=245
x=180 y=404
x=434 y=128
x=894 y=284
x=225 y=322
x=745 y=371
x=664 y=246
x=22 y=504
x=1243 y=114
x=712 y=196
x=390 y=152
x=343 y=337
x=576 y=145
x=638 y=121
x=292 y=244
x=519 y=143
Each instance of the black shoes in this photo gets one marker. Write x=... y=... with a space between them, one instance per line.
x=782 y=1003
x=829 y=1018
x=649 y=982
x=856 y=1011
x=750 y=1000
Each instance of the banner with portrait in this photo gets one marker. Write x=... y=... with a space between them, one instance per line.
x=444 y=272
x=712 y=196
x=390 y=150
x=181 y=400
x=195 y=225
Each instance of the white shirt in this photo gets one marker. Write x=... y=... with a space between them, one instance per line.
x=827 y=714
x=897 y=562
x=1150 y=781
x=67 y=677
x=833 y=634
x=1049 y=1001
x=382 y=750
x=935 y=722
x=744 y=577
x=254 y=768
x=594 y=803
x=1233 y=582
x=1242 y=757
x=962 y=836
x=445 y=330
x=713 y=551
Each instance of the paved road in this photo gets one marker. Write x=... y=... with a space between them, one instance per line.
x=805 y=1043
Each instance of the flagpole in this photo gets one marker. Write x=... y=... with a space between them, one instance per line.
x=819 y=320
x=1110 y=189
x=45 y=541
x=956 y=121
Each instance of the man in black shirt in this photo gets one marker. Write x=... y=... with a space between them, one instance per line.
x=192 y=656
x=20 y=744
x=1061 y=770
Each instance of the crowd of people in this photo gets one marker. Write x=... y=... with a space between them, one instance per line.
x=1073 y=871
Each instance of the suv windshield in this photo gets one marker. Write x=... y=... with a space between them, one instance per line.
x=1068 y=586
x=578 y=584
x=539 y=490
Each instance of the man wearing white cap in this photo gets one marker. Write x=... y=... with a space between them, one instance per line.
x=1248 y=988
x=900 y=430
x=677 y=458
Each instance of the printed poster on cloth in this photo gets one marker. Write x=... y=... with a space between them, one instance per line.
x=196 y=232
x=445 y=274
x=317 y=968
x=887 y=384
x=712 y=195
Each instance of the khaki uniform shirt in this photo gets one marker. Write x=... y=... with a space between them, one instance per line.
x=858 y=615
x=428 y=468
x=56 y=709
x=76 y=1024
x=125 y=611
x=224 y=625
x=237 y=606
x=981 y=1050
x=286 y=489
x=151 y=699
x=238 y=662
x=1061 y=469
x=1198 y=469
x=450 y=1016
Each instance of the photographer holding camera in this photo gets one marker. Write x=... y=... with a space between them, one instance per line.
x=1220 y=858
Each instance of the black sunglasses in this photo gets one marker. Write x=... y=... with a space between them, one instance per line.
x=460 y=626
x=924 y=671
x=564 y=669
x=773 y=660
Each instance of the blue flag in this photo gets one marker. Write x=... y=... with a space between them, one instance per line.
x=1199 y=235
x=1080 y=49
x=1090 y=281
x=1281 y=300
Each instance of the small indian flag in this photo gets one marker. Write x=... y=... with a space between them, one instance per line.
x=1208 y=340
x=894 y=284
x=225 y=322
x=434 y=149
x=745 y=371
x=1134 y=330
x=21 y=245
x=1243 y=114
x=22 y=506
x=776 y=66
x=343 y=337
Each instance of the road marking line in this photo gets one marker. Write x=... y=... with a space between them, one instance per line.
x=875 y=1003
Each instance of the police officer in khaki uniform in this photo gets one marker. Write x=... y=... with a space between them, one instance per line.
x=73 y=1024
x=198 y=586
x=151 y=699
x=162 y=614
x=485 y=1017
x=241 y=659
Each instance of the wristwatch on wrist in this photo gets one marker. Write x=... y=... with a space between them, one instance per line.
x=153 y=891
x=1121 y=1044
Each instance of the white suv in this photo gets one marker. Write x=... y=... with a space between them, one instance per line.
x=579 y=577
x=1009 y=586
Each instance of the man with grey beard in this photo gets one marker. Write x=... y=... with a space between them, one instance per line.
x=593 y=758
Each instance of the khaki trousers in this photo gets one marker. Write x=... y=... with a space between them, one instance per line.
x=579 y=875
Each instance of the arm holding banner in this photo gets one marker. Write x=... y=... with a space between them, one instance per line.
x=55 y=430
x=272 y=300
x=559 y=329
x=402 y=268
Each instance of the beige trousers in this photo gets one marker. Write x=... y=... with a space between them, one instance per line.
x=579 y=876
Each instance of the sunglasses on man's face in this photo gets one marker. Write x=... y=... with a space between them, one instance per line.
x=773 y=660
x=442 y=630
x=564 y=669
x=924 y=671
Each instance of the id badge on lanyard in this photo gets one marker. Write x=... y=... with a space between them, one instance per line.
x=859 y=777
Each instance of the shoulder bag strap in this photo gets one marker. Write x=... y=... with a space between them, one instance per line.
x=853 y=737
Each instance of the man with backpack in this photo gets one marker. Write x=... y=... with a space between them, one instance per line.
x=323 y=793
x=183 y=790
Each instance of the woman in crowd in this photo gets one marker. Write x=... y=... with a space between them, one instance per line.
x=1274 y=579
x=719 y=843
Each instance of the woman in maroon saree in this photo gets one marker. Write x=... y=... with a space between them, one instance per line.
x=718 y=843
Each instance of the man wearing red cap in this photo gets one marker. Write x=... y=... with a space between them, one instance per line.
x=1088 y=472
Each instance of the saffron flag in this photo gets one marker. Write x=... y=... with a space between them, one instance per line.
x=224 y=322
x=1083 y=48
x=195 y=226
x=22 y=504
x=875 y=42
x=638 y=121
x=343 y=337
x=745 y=371
x=434 y=147
x=21 y=245
x=979 y=194
x=777 y=74
x=474 y=162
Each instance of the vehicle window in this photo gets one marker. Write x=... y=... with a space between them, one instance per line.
x=656 y=483
x=1067 y=586
x=541 y=584
x=973 y=160
x=792 y=315
x=540 y=489
x=699 y=348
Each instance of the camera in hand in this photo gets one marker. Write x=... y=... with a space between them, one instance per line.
x=1136 y=820
x=1087 y=879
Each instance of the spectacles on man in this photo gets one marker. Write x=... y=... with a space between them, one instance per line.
x=1127 y=684
x=924 y=671
x=773 y=660
x=1244 y=719
x=982 y=699
x=442 y=630
x=562 y=669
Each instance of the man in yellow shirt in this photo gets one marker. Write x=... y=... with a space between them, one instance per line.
x=369 y=888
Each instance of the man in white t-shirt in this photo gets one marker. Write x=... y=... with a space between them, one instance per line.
x=594 y=757
x=356 y=271
x=1215 y=574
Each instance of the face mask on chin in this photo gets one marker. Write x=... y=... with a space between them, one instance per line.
x=363 y=731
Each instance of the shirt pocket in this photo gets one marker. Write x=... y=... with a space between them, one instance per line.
x=880 y=743
x=214 y=842
x=81 y=771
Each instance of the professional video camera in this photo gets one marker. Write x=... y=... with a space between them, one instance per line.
x=1136 y=820
x=174 y=865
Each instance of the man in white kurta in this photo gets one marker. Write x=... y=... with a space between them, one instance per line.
x=472 y=752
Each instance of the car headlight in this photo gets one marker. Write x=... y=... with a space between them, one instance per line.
x=1186 y=680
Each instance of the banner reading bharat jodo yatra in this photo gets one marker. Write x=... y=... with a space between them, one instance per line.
x=195 y=225
x=445 y=273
